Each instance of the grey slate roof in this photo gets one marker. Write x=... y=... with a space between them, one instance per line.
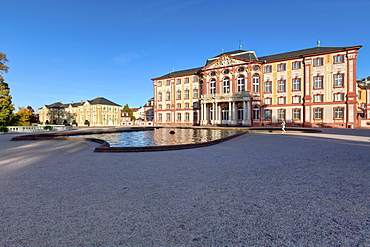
x=102 y=101
x=96 y=101
x=304 y=52
x=247 y=55
x=55 y=105
x=364 y=83
x=251 y=56
x=180 y=73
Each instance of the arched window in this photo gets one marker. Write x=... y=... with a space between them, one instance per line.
x=241 y=83
x=225 y=113
x=212 y=87
x=256 y=112
x=240 y=112
x=256 y=83
x=226 y=85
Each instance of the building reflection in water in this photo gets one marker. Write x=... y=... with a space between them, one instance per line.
x=162 y=136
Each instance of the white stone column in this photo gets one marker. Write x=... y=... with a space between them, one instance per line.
x=249 y=110
x=216 y=112
x=230 y=111
x=244 y=110
x=202 y=114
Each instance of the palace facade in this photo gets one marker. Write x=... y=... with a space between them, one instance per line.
x=99 y=112
x=313 y=87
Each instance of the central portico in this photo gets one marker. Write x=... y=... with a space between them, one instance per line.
x=226 y=98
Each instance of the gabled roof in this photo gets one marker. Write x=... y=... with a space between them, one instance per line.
x=304 y=52
x=180 y=73
x=246 y=55
x=364 y=83
x=76 y=104
x=102 y=101
x=55 y=105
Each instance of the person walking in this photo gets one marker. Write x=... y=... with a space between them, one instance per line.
x=283 y=127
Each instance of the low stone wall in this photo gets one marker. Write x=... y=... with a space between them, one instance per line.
x=38 y=128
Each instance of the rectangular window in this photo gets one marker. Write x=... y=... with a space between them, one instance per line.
x=212 y=86
x=159 y=84
x=268 y=114
x=297 y=114
x=187 y=80
x=195 y=105
x=195 y=93
x=186 y=94
x=168 y=96
x=168 y=117
x=339 y=59
x=296 y=84
x=168 y=106
x=296 y=65
x=338 y=113
x=338 y=97
x=318 y=98
x=168 y=82
x=281 y=114
x=281 y=85
x=195 y=79
x=338 y=80
x=268 y=101
x=317 y=113
x=186 y=105
x=160 y=96
x=178 y=95
x=187 y=116
x=178 y=81
x=159 y=107
x=296 y=99
x=178 y=116
x=160 y=117
x=256 y=83
x=318 y=62
x=268 y=69
x=268 y=88
x=281 y=67
x=281 y=100
x=318 y=82
x=358 y=94
x=178 y=105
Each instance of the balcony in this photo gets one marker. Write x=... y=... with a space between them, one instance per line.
x=226 y=97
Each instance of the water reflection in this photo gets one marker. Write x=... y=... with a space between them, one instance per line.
x=162 y=136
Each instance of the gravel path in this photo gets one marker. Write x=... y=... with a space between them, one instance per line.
x=260 y=189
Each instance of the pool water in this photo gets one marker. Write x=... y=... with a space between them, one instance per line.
x=161 y=136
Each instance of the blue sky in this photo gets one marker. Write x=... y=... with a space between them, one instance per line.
x=72 y=50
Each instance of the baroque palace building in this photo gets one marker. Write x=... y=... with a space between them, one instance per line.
x=99 y=112
x=313 y=87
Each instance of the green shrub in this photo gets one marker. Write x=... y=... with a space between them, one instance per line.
x=48 y=127
x=87 y=122
x=4 y=129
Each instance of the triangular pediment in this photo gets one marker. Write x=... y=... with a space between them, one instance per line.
x=225 y=61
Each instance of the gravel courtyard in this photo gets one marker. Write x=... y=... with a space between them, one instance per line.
x=259 y=189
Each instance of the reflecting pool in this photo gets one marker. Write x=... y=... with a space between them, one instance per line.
x=162 y=136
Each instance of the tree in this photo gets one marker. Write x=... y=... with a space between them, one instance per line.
x=6 y=106
x=127 y=109
x=25 y=114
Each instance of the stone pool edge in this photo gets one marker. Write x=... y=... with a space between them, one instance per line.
x=106 y=148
